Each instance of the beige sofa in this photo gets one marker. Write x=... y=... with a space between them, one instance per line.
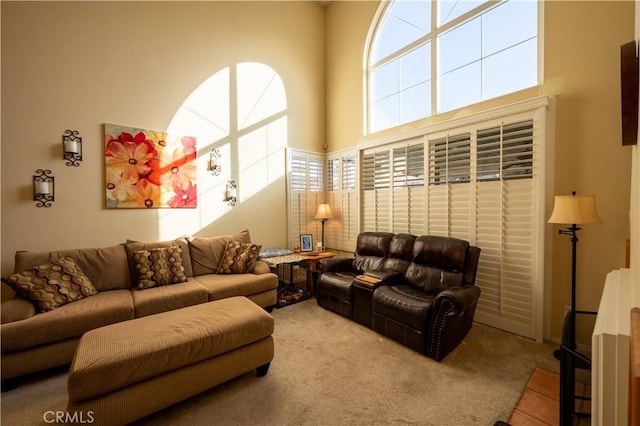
x=33 y=341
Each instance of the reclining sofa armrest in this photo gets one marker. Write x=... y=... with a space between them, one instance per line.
x=451 y=319
x=16 y=309
x=457 y=299
x=340 y=264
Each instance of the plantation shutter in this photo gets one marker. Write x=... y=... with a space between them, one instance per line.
x=349 y=204
x=481 y=188
x=341 y=231
x=505 y=231
x=376 y=179
x=449 y=192
x=408 y=208
x=306 y=191
x=297 y=198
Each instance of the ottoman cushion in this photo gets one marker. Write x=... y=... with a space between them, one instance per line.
x=116 y=356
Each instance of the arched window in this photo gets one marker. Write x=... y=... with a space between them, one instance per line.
x=428 y=57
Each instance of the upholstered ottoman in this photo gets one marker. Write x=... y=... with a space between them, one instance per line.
x=128 y=370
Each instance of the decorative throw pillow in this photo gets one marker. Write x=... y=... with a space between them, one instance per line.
x=132 y=246
x=238 y=257
x=159 y=266
x=52 y=284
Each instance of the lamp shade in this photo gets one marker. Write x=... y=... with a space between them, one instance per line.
x=324 y=212
x=574 y=209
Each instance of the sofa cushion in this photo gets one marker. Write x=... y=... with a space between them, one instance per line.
x=69 y=321
x=52 y=284
x=133 y=246
x=404 y=304
x=167 y=298
x=206 y=253
x=221 y=286
x=336 y=285
x=159 y=266
x=238 y=257
x=105 y=267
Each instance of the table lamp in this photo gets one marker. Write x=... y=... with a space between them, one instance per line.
x=324 y=213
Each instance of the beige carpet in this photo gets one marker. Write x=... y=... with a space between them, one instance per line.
x=329 y=370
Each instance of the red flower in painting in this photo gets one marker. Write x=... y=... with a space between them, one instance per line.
x=184 y=197
x=139 y=138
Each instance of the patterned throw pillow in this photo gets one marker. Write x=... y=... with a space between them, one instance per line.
x=159 y=266
x=238 y=257
x=52 y=284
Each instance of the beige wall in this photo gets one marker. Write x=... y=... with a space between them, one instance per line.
x=589 y=156
x=581 y=68
x=77 y=65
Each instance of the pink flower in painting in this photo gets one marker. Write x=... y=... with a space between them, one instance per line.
x=142 y=194
x=184 y=197
x=173 y=168
x=189 y=144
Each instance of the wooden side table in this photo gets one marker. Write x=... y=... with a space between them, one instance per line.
x=305 y=260
x=312 y=261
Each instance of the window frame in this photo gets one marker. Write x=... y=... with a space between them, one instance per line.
x=432 y=39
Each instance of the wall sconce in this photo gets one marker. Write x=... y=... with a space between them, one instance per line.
x=43 y=188
x=230 y=193
x=213 y=165
x=72 y=147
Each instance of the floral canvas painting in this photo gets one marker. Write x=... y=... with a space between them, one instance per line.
x=149 y=169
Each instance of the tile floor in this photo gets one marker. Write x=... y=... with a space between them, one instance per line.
x=538 y=405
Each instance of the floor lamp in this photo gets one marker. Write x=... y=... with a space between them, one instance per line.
x=324 y=213
x=571 y=210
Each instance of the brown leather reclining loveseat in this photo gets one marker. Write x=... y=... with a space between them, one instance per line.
x=423 y=293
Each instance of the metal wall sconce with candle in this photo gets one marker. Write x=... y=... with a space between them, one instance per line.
x=230 y=193
x=72 y=147
x=43 y=188
x=213 y=165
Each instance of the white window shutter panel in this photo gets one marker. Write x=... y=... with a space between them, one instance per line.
x=306 y=191
x=505 y=226
x=341 y=229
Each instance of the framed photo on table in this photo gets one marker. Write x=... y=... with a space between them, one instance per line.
x=306 y=242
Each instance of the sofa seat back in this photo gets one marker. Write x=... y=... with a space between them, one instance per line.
x=400 y=254
x=438 y=263
x=372 y=249
x=107 y=267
